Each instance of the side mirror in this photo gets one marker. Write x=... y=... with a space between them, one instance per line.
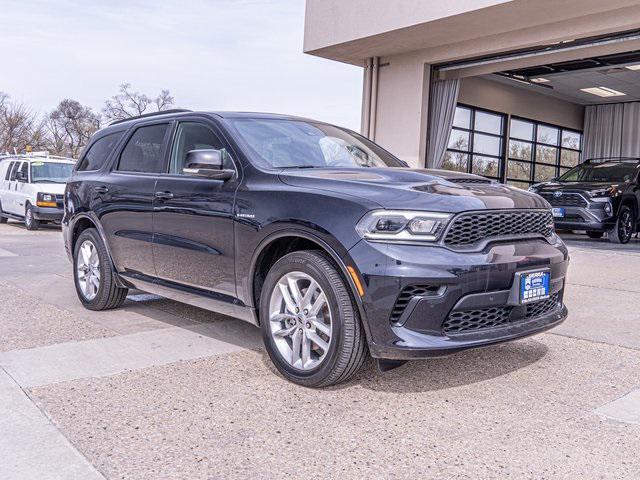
x=21 y=177
x=207 y=163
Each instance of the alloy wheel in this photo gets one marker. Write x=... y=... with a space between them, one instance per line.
x=88 y=270
x=625 y=225
x=300 y=320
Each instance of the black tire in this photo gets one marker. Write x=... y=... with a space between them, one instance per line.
x=625 y=226
x=3 y=219
x=347 y=349
x=29 y=220
x=595 y=235
x=109 y=294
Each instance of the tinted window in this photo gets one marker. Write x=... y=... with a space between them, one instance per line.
x=99 y=151
x=9 y=168
x=14 y=170
x=144 y=151
x=602 y=172
x=194 y=136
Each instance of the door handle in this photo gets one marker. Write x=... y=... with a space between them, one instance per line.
x=164 y=195
x=101 y=189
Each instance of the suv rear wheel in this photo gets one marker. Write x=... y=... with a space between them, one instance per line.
x=310 y=325
x=625 y=226
x=29 y=220
x=93 y=274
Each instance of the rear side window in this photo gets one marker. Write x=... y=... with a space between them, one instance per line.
x=9 y=168
x=144 y=151
x=99 y=152
x=14 y=170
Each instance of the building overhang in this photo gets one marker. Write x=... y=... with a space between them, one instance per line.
x=352 y=31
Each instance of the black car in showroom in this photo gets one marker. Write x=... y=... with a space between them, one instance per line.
x=331 y=245
x=599 y=196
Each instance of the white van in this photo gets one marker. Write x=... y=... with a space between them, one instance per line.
x=32 y=188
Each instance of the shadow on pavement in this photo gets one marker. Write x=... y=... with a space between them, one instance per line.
x=582 y=241
x=457 y=370
x=464 y=368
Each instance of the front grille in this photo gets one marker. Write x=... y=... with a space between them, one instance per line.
x=565 y=200
x=462 y=321
x=60 y=200
x=468 y=229
x=537 y=309
x=407 y=294
x=465 y=320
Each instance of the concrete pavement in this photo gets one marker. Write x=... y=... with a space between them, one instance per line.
x=161 y=390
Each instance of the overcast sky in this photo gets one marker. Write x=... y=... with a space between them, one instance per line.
x=211 y=54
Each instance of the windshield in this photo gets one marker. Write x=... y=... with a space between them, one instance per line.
x=602 y=172
x=276 y=143
x=48 y=172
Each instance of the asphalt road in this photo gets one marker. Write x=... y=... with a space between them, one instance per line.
x=159 y=390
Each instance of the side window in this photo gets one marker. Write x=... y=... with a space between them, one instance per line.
x=24 y=168
x=194 y=136
x=9 y=168
x=98 y=153
x=144 y=151
x=14 y=170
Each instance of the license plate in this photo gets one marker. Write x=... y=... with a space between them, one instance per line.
x=534 y=286
x=557 y=212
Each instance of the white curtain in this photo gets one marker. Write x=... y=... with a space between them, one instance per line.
x=603 y=128
x=631 y=130
x=444 y=97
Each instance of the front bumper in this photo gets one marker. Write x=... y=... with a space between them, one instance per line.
x=49 y=214
x=593 y=217
x=459 y=282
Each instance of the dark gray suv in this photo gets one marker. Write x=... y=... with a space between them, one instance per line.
x=328 y=243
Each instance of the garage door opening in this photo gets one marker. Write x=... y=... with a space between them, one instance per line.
x=532 y=123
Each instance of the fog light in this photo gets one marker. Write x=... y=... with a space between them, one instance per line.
x=608 y=209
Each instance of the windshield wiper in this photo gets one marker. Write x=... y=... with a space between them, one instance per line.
x=46 y=181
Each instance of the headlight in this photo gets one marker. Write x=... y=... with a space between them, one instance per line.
x=46 y=200
x=611 y=191
x=532 y=189
x=402 y=225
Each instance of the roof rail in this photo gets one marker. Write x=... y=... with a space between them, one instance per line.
x=611 y=159
x=145 y=115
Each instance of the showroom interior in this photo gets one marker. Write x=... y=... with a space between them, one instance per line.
x=532 y=124
x=514 y=90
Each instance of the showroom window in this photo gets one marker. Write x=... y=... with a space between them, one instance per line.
x=476 y=142
x=539 y=152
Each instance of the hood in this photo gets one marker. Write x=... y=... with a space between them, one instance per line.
x=419 y=189
x=550 y=187
x=57 y=188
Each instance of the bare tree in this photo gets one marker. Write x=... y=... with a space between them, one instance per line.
x=69 y=127
x=19 y=127
x=129 y=103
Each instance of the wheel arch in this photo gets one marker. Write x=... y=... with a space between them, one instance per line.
x=278 y=244
x=83 y=222
x=631 y=202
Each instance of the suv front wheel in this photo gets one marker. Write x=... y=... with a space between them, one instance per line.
x=310 y=325
x=625 y=226
x=93 y=273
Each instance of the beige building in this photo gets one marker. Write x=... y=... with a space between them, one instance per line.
x=517 y=90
